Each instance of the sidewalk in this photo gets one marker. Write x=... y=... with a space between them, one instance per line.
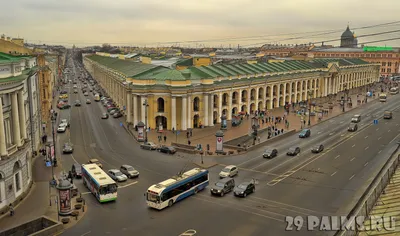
x=207 y=135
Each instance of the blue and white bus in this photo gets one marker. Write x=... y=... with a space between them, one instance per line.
x=99 y=183
x=172 y=190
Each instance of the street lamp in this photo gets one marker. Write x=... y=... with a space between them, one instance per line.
x=53 y=161
x=344 y=96
x=145 y=104
x=309 y=107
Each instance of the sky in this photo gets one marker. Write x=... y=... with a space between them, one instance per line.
x=194 y=23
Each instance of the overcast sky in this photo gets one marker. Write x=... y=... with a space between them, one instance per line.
x=140 y=22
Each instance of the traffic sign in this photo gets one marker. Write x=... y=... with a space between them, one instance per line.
x=48 y=164
x=120 y=124
x=375 y=122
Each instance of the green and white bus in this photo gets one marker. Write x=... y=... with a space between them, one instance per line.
x=99 y=183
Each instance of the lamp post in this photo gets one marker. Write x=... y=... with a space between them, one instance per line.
x=344 y=96
x=53 y=160
x=309 y=108
x=145 y=104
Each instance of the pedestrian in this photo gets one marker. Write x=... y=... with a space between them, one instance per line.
x=173 y=130
x=259 y=139
x=11 y=209
x=189 y=142
x=191 y=133
x=165 y=138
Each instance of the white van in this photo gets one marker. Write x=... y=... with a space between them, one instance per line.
x=356 y=119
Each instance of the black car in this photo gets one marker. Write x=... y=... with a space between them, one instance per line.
x=244 y=189
x=168 y=150
x=270 y=153
x=64 y=92
x=317 y=148
x=352 y=127
x=293 y=151
x=67 y=149
x=76 y=171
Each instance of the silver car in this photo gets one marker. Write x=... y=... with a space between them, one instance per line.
x=129 y=171
x=117 y=175
x=149 y=146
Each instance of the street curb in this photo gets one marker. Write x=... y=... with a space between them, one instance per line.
x=30 y=190
x=207 y=166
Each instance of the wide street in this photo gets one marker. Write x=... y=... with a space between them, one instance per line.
x=308 y=184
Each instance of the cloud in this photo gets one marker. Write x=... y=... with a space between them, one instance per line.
x=140 y=21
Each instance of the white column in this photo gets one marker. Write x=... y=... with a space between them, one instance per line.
x=211 y=110
x=295 y=91
x=129 y=107
x=325 y=87
x=248 y=100
x=264 y=98
x=135 y=110
x=184 y=115
x=219 y=108
x=15 y=119
x=189 y=112
x=229 y=115
x=239 y=100
x=315 y=88
x=256 y=98
x=3 y=147
x=173 y=113
x=21 y=112
x=271 y=99
x=284 y=94
x=143 y=110
x=205 y=109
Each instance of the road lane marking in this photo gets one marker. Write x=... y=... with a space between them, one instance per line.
x=333 y=173
x=377 y=129
x=366 y=164
x=255 y=167
x=352 y=159
x=248 y=161
x=352 y=176
x=386 y=123
x=366 y=148
x=379 y=138
x=284 y=204
x=85 y=193
x=368 y=114
x=379 y=151
x=341 y=122
x=86 y=233
x=290 y=159
x=319 y=132
x=189 y=232
x=257 y=171
x=74 y=159
x=394 y=138
x=127 y=185
x=336 y=157
x=388 y=130
x=332 y=133
x=362 y=124
x=366 y=136
x=353 y=145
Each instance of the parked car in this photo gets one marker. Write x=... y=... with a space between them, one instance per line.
x=270 y=153
x=305 y=133
x=76 y=170
x=293 y=151
x=117 y=175
x=88 y=101
x=85 y=94
x=223 y=186
x=112 y=112
x=129 y=171
x=67 y=148
x=229 y=171
x=167 y=150
x=317 y=148
x=117 y=115
x=95 y=161
x=352 y=127
x=149 y=146
x=61 y=128
x=104 y=116
x=244 y=189
x=75 y=91
x=77 y=103
x=64 y=121
x=63 y=105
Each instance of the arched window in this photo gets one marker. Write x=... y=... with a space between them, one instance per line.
x=160 y=105
x=17 y=176
x=196 y=104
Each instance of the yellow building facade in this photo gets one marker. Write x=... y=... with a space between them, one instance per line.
x=13 y=46
x=199 y=96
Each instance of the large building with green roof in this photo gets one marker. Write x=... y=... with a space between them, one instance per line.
x=200 y=95
x=20 y=126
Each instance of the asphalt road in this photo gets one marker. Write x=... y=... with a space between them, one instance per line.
x=308 y=184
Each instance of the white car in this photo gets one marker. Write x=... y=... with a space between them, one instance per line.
x=229 y=171
x=117 y=175
x=61 y=128
x=75 y=86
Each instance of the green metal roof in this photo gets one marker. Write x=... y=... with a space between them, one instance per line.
x=169 y=75
x=342 y=61
x=185 y=62
x=25 y=74
x=9 y=58
x=125 y=67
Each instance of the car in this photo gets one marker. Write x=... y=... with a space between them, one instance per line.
x=149 y=146
x=293 y=151
x=117 y=115
x=88 y=101
x=64 y=121
x=77 y=103
x=90 y=90
x=112 y=112
x=317 y=148
x=64 y=92
x=244 y=189
x=85 y=94
x=95 y=161
x=104 y=116
x=129 y=171
x=61 y=128
x=270 y=153
x=387 y=115
x=63 y=96
x=67 y=148
x=352 y=127
x=223 y=186
x=117 y=175
x=167 y=149
x=75 y=86
x=76 y=171
x=305 y=133
x=229 y=171
x=75 y=91
x=356 y=119
x=63 y=106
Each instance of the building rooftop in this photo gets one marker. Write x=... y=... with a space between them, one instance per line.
x=7 y=58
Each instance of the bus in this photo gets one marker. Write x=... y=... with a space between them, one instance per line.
x=382 y=97
x=99 y=183
x=177 y=188
x=394 y=90
x=97 y=97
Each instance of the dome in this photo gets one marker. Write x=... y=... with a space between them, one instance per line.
x=347 y=33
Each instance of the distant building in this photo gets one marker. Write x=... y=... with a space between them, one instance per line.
x=13 y=46
x=285 y=50
x=348 y=39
